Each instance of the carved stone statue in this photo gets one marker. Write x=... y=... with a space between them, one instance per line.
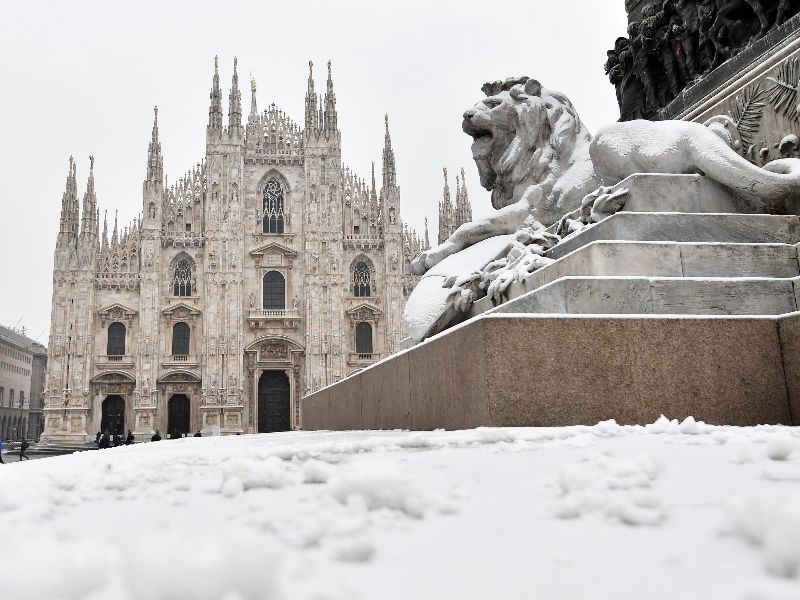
x=540 y=163
x=676 y=41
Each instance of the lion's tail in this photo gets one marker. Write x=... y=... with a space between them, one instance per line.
x=777 y=181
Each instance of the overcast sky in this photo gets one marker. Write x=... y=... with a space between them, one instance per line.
x=81 y=78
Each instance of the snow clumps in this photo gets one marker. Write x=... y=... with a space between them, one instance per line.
x=772 y=525
x=376 y=491
x=688 y=426
x=618 y=487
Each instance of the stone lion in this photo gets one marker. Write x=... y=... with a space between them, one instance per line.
x=540 y=162
x=543 y=167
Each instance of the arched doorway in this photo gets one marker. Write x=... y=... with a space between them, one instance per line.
x=179 y=412
x=113 y=415
x=273 y=402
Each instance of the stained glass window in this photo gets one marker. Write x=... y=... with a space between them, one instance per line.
x=273 y=207
x=182 y=280
x=361 y=283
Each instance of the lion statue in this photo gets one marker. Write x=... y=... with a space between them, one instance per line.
x=540 y=164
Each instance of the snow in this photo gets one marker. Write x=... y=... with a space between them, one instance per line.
x=671 y=509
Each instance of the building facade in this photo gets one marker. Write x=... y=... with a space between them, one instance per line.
x=452 y=217
x=266 y=272
x=23 y=363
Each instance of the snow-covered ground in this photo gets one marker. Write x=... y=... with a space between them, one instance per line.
x=662 y=511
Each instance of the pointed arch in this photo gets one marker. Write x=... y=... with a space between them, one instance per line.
x=362 y=276
x=273 y=189
x=182 y=272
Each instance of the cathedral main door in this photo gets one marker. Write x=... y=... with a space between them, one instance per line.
x=273 y=402
x=113 y=415
x=178 y=414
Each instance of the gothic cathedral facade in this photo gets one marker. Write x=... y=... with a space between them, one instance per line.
x=265 y=273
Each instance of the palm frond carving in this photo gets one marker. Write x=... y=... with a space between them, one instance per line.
x=746 y=109
x=782 y=90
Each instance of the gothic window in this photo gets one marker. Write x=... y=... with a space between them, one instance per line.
x=116 y=339
x=273 y=207
x=363 y=338
x=361 y=280
x=182 y=279
x=180 y=339
x=274 y=291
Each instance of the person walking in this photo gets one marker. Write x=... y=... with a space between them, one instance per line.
x=22 y=448
x=130 y=439
x=198 y=434
x=105 y=440
x=97 y=438
x=156 y=437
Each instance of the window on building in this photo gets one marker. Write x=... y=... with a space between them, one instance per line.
x=274 y=291
x=361 y=280
x=188 y=226
x=116 y=339
x=2 y=396
x=182 y=279
x=180 y=339
x=363 y=338
x=11 y=398
x=22 y=398
x=273 y=207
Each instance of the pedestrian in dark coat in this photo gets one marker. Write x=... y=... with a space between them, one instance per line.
x=156 y=437
x=97 y=438
x=105 y=439
x=22 y=447
x=130 y=439
x=198 y=434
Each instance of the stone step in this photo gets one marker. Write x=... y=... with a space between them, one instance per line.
x=686 y=227
x=661 y=259
x=659 y=295
x=555 y=370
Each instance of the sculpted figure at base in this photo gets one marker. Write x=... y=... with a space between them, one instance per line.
x=543 y=167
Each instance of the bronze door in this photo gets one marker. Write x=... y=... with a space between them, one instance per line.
x=273 y=402
x=113 y=415
x=179 y=413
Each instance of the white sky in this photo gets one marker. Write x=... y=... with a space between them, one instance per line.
x=82 y=77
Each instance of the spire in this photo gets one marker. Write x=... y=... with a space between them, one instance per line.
x=89 y=213
x=104 y=247
x=331 y=117
x=389 y=172
x=235 y=100
x=215 y=109
x=373 y=195
x=427 y=237
x=463 y=212
x=115 y=235
x=155 y=161
x=253 y=106
x=68 y=231
x=311 y=102
x=446 y=226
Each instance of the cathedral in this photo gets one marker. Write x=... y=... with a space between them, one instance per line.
x=266 y=272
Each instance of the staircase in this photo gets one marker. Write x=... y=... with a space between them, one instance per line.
x=679 y=312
